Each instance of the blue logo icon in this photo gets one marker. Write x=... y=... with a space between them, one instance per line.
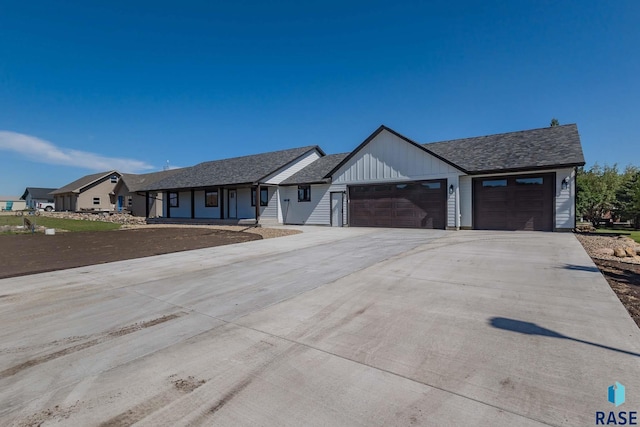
x=616 y=394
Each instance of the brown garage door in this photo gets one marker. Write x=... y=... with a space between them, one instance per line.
x=522 y=202
x=411 y=205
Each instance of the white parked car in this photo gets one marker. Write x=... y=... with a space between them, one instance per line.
x=46 y=206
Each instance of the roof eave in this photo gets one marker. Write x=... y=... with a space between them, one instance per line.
x=528 y=168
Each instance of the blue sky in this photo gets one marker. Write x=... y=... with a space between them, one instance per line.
x=89 y=86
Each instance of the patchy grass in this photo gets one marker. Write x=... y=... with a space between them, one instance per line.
x=634 y=234
x=60 y=223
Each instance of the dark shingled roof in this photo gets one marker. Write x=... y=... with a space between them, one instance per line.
x=137 y=182
x=79 y=184
x=316 y=171
x=529 y=149
x=38 y=193
x=237 y=170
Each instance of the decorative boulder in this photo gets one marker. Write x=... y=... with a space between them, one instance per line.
x=605 y=251
x=619 y=252
x=630 y=251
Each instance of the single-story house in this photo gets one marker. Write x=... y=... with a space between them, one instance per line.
x=89 y=193
x=130 y=199
x=33 y=196
x=238 y=188
x=512 y=181
x=12 y=203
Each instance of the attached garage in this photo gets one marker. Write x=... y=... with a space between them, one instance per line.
x=420 y=204
x=522 y=202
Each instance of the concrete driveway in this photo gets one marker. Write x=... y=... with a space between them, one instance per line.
x=330 y=327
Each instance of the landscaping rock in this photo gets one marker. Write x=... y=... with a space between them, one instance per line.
x=630 y=251
x=619 y=252
x=604 y=251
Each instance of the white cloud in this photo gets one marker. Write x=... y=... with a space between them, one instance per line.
x=41 y=151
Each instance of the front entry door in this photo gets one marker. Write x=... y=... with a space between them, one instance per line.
x=120 y=203
x=336 y=209
x=233 y=204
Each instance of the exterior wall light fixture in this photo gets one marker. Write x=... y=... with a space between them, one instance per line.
x=565 y=183
x=451 y=189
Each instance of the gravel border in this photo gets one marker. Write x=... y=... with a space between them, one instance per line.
x=597 y=246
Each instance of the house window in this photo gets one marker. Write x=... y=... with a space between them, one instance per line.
x=264 y=197
x=495 y=183
x=173 y=200
x=304 y=193
x=530 y=181
x=96 y=200
x=431 y=185
x=211 y=199
x=114 y=179
x=129 y=201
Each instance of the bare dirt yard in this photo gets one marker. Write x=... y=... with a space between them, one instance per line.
x=622 y=274
x=22 y=254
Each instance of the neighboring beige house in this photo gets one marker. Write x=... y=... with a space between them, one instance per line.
x=89 y=193
x=12 y=203
x=129 y=197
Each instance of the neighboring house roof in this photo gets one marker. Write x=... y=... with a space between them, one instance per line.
x=317 y=171
x=77 y=185
x=528 y=149
x=38 y=193
x=237 y=170
x=137 y=182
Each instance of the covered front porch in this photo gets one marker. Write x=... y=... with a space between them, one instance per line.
x=230 y=205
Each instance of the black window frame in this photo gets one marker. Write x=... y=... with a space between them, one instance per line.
x=177 y=199
x=263 y=190
x=206 y=199
x=305 y=196
x=98 y=200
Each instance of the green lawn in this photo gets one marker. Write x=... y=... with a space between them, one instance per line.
x=61 y=224
x=634 y=234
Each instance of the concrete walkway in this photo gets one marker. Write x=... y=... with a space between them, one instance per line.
x=329 y=327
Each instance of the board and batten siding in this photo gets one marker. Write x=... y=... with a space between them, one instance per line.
x=388 y=158
x=288 y=170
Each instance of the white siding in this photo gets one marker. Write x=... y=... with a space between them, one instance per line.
x=288 y=170
x=316 y=212
x=340 y=188
x=202 y=211
x=451 y=202
x=270 y=211
x=565 y=199
x=465 y=201
x=184 y=205
x=390 y=158
x=245 y=210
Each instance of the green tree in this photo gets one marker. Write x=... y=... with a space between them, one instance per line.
x=554 y=122
x=596 y=192
x=628 y=196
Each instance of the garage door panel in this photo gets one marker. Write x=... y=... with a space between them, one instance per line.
x=514 y=203
x=406 y=205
